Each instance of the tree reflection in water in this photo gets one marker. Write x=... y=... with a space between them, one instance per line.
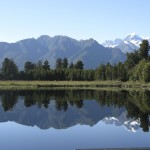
x=137 y=103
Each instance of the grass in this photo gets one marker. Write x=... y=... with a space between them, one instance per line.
x=71 y=84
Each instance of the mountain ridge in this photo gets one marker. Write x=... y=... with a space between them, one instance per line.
x=129 y=44
x=45 y=47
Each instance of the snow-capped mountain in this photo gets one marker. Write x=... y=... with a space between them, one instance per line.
x=129 y=44
x=133 y=39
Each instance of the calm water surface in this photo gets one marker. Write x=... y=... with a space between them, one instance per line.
x=73 y=119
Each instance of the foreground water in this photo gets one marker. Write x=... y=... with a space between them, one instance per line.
x=74 y=119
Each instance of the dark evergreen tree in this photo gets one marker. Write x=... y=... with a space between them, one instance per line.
x=65 y=63
x=9 y=69
x=58 y=64
x=108 y=71
x=100 y=72
x=46 y=65
x=71 y=66
x=144 y=49
x=115 y=72
x=39 y=65
x=133 y=59
x=29 y=66
x=121 y=72
x=79 y=65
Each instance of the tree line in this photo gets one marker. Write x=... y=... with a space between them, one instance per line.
x=135 y=68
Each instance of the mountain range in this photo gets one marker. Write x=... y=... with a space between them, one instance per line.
x=45 y=47
x=51 y=48
x=129 y=44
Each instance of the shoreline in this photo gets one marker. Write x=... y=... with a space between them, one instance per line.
x=72 y=84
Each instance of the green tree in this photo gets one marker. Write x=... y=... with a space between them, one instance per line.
x=39 y=65
x=9 y=69
x=71 y=66
x=115 y=72
x=121 y=72
x=29 y=66
x=141 y=71
x=136 y=73
x=46 y=65
x=100 y=72
x=108 y=71
x=146 y=72
x=58 y=64
x=79 y=65
x=133 y=59
x=144 y=49
x=65 y=63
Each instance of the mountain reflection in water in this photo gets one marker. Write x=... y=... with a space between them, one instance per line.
x=62 y=109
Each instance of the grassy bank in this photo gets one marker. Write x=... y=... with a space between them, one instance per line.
x=71 y=84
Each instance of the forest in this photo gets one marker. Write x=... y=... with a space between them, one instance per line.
x=135 y=68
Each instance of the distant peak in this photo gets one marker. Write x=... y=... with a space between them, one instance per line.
x=133 y=38
x=91 y=39
x=128 y=44
x=132 y=34
x=64 y=38
x=44 y=37
x=87 y=40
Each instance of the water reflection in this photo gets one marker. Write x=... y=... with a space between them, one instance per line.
x=65 y=108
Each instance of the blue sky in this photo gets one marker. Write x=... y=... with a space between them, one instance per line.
x=79 y=19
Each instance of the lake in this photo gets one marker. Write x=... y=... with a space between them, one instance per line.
x=74 y=119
